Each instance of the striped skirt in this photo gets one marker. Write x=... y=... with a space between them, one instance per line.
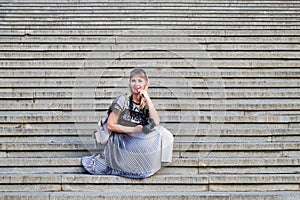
x=129 y=155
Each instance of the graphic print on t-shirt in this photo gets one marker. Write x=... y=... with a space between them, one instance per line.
x=131 y=117
x=134 y=115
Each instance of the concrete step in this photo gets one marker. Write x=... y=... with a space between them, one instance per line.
x=149 y=32
x=161 y=104
x=149 y=4
x=181 y=128
x=178 y=166
x=183 y=132
x=97 y=40
x=187 y=129
x=166 y=116
x=147 y=26
x=152 y=72
x=178 y=129
x=182 y=147
x=166 y=1
x=186 y=183
x=153 y=9
x=158 y=7
x=88 y=19
x=150 y=53
x=247 y=4
x=176 y=15
x=290 y=195
x=33 y=95
x=176 y=154
x=155 y=82
x=85 y=64
x=127 y=47
x=179 y=138
x=139 y=22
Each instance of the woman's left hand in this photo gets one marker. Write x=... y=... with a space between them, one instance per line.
x=144 y=93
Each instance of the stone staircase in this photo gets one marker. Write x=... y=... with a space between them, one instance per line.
x=225 y=77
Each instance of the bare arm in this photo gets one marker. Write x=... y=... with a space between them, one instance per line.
x=113 y=126
x=152 y=111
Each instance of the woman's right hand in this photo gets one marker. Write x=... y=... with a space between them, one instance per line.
x=138 y=129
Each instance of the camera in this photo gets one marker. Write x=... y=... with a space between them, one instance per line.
x=148 y=124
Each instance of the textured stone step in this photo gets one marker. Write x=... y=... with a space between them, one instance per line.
x=88 y=19
x=157 y=7
x=213 y=146
x=182 y=15
x=185 y=133
x=176 y=154
x=161 y=105
x=141 y=22
x=33 y=94
x=86 y=136
x=173 y=116
x=151 y=4
x=161 y=5
x=149 y=53
x=94 y=64
x=153 y=9
x=73 y=165
x=42 y=138
x=153 y=73
x=183 y=183
x=97 y=40
x=247 y=4
x=166 y=170
x=166 y=1
x=136 y=11
x=146 y=26
x=178 y=166
x=128 y=47
x=156 y=32
x=207 y=135
x=187 y=129
x=183 y=129
x=290 y=195
x=192 y=162
x=178 y=129
x=155 y=82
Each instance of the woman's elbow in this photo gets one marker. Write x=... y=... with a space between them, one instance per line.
x=110 y=127
x=157 y=122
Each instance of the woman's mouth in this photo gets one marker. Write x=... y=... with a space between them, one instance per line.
x=137 y=89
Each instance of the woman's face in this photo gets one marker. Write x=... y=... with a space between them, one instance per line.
x=137 y=83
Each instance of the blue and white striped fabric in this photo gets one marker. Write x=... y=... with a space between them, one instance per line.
x=129 y=155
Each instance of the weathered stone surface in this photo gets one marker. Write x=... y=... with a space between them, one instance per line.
x=224 y=78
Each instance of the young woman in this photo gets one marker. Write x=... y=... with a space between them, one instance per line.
x=134 y=148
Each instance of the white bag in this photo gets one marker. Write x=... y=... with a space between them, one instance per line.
x=102 y=134
x=167 y=140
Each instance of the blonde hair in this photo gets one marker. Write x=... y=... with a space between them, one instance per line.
x=142 y=73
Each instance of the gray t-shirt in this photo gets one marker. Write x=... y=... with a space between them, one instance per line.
x=131 y=113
